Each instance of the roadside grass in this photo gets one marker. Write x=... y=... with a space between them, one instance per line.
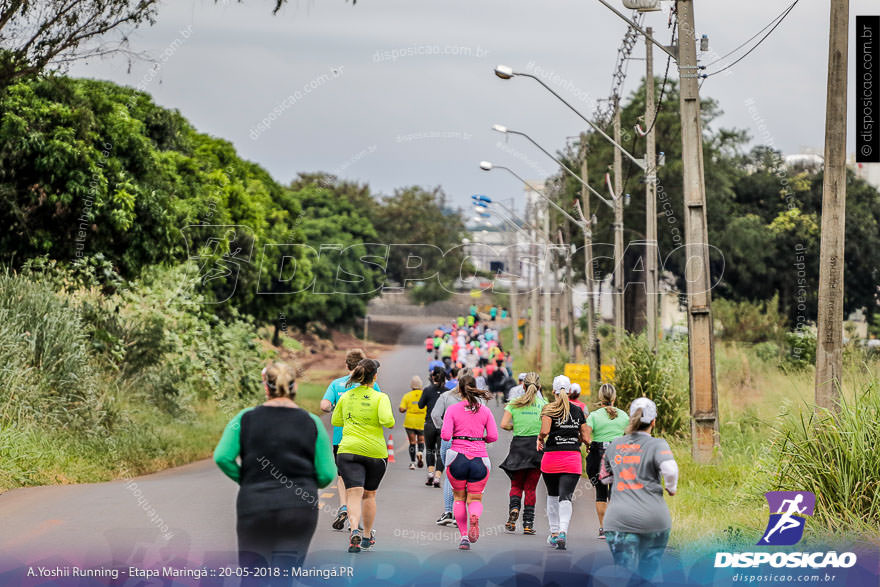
x=148 y=441
x=771 y=440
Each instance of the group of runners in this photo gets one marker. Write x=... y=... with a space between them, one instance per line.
x=449 y=425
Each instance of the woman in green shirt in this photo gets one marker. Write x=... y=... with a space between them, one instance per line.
x=280 y=456
x=523 y=463
x=363 y=455
x=603 y=425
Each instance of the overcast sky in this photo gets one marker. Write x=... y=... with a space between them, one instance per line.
x=425 y=117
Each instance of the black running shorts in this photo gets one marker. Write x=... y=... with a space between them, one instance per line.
x=360 y=471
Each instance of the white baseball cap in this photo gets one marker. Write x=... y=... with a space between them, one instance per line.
x=561 y=384
x=521 y=377
x=649 y=409
x=575 y=388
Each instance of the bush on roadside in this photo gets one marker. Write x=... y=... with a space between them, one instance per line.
x=749 y=321
x=800 y=349
x=662 y=377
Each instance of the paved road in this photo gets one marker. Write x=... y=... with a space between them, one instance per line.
x=186 y=516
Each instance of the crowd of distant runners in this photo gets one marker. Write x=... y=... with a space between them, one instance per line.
x=281 y=455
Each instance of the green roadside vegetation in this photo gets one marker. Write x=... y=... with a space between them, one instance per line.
x=771 y=438
x=135 y=258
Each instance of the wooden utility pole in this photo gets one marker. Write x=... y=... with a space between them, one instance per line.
x=829 y=359
x=701 y=343
x=514 y=307
x=618 y=231
x=546 y=354
x=586 y=216
x=534 y=284
x=651 y=250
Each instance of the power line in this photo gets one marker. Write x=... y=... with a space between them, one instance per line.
x=778 y=20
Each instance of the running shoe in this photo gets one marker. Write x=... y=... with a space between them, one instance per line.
x=412 y=466
x=510 y=525
x=430 y=480
x=560 y=541
x=601 y=533
x=446 y=519
x=465 y=544
x=420 y=458
x=354 y=544
x=437 y=482
x=551 y=540
x=369 y=543
x=341 y=516
x=529 y=528
x=474 y=528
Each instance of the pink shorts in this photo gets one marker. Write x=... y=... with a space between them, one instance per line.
x=467 y=474
x=562 y=461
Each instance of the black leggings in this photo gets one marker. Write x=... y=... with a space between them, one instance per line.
x=275 y=537
x=561 y=484
x=432 y=447
x=594 y=463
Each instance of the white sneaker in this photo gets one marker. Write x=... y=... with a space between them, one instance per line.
x=412 y=466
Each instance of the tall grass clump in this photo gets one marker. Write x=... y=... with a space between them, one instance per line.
x=102 y=377
x=46 y=371
x=833 y=453
x=660 y=376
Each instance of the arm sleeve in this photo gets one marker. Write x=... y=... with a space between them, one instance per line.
x=438 y=411
x=403 y=402
x=446 y=429
x=229 y=448
x=336 y=418
x=669 y=470
x=325 y=465
x=491 y=427
x=386 y=416
x=423 y=401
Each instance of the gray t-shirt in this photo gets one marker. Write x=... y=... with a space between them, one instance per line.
x=636 y=503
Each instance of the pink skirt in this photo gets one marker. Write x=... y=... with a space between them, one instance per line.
x=562 y=461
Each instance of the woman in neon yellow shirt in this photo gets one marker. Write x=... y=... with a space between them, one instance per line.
x=363 y=455
x=414 y=422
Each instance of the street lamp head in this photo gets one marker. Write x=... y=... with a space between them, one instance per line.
x=485 y=166
x=499 y=128
x=504 y=71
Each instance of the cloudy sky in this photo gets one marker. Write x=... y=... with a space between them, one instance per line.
x=401 y=92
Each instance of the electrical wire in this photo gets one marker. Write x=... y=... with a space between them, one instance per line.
x=778 y=20
x=656 y=110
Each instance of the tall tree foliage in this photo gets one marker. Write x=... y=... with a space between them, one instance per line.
x=763 y=216
x=89 y=167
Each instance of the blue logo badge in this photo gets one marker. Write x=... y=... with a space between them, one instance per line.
x=787 y=516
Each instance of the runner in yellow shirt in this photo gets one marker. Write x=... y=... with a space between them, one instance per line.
x=414 y=422
x=362 y=412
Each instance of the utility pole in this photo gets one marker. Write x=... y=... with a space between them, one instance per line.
x=514 y=308
x=592 y=349
x=618 y=231
x=651 y=250
x=534 y=284
x=546 y=359
x=829 y=358
x=701 y=343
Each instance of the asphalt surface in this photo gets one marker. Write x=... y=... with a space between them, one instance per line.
x=186 y=517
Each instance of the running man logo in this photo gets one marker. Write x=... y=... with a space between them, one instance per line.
x=787 y=516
